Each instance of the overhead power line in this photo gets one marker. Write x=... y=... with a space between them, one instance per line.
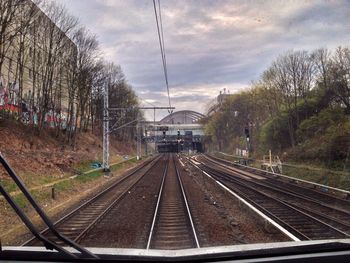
x=161 y=30
x=162 y=46
x=147 y=102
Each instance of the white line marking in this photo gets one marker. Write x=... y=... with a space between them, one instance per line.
x=271 y=221
x=181 y=162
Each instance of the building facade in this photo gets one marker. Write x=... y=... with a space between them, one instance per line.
x=37 y=68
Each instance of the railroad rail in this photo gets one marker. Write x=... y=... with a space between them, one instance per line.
x=172 y=226
x=329 y=208
x=302 y=184
x=304 y=216
x=78 y=222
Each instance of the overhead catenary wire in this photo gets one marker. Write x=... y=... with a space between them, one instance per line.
x=162 y=46
x=164 y=57
x=149 y=103
x=162 y=34
x=124 y=125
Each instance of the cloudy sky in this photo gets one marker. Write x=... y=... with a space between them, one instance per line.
x=210 y=45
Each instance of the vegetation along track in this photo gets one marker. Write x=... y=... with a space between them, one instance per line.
x=172 y=226
x=304 y=216
x=76 y=224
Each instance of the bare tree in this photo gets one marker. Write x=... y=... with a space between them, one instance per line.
x=121 y=95
x=9 y=28
x=62 y=64
x=293 y=75
x=87 y=74
x=340 y=76
x=56 y=47
x=26 y=15
x=322 y=61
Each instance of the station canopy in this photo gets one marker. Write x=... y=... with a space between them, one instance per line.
x=182 y=117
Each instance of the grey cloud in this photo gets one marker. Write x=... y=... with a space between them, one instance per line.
x=211 y=44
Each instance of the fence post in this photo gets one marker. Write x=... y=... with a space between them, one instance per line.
x=53 y=192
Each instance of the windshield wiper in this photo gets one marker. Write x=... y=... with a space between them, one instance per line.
x=47 y=243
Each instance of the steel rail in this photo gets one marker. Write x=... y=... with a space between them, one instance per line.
x=328 y=215
x=113 y=204
x=187 y=205
x=151 y=162
x=260 y=212
x=286 y=191
x=47 y=243
x=331 y=220
x=157 y=207
x=178 y=220
x=271 y=176
x=284 y=176
x=225 y=177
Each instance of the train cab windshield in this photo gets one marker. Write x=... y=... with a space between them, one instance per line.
x=181 y=131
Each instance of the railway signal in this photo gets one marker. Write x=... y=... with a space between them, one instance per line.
x=246 y=132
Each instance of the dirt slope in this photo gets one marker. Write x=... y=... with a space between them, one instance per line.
x=34 y=155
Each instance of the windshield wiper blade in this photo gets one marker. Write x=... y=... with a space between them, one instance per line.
x=48 y=243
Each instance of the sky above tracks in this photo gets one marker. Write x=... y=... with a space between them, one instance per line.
x=210 y=45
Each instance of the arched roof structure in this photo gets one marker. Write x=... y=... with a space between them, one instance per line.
x=182 y=117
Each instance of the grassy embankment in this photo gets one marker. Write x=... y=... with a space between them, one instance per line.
x=69 y=192
x=41 y=187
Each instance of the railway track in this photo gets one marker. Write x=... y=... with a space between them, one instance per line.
x=303 y=216
x=287 y=185
x=329 y=209
x=78 y=222
x=172 y=226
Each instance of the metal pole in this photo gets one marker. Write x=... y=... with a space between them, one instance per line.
x=154 y=129
x=105 y=164
x=146 y=148
x=138 y=144
x=106 y=130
